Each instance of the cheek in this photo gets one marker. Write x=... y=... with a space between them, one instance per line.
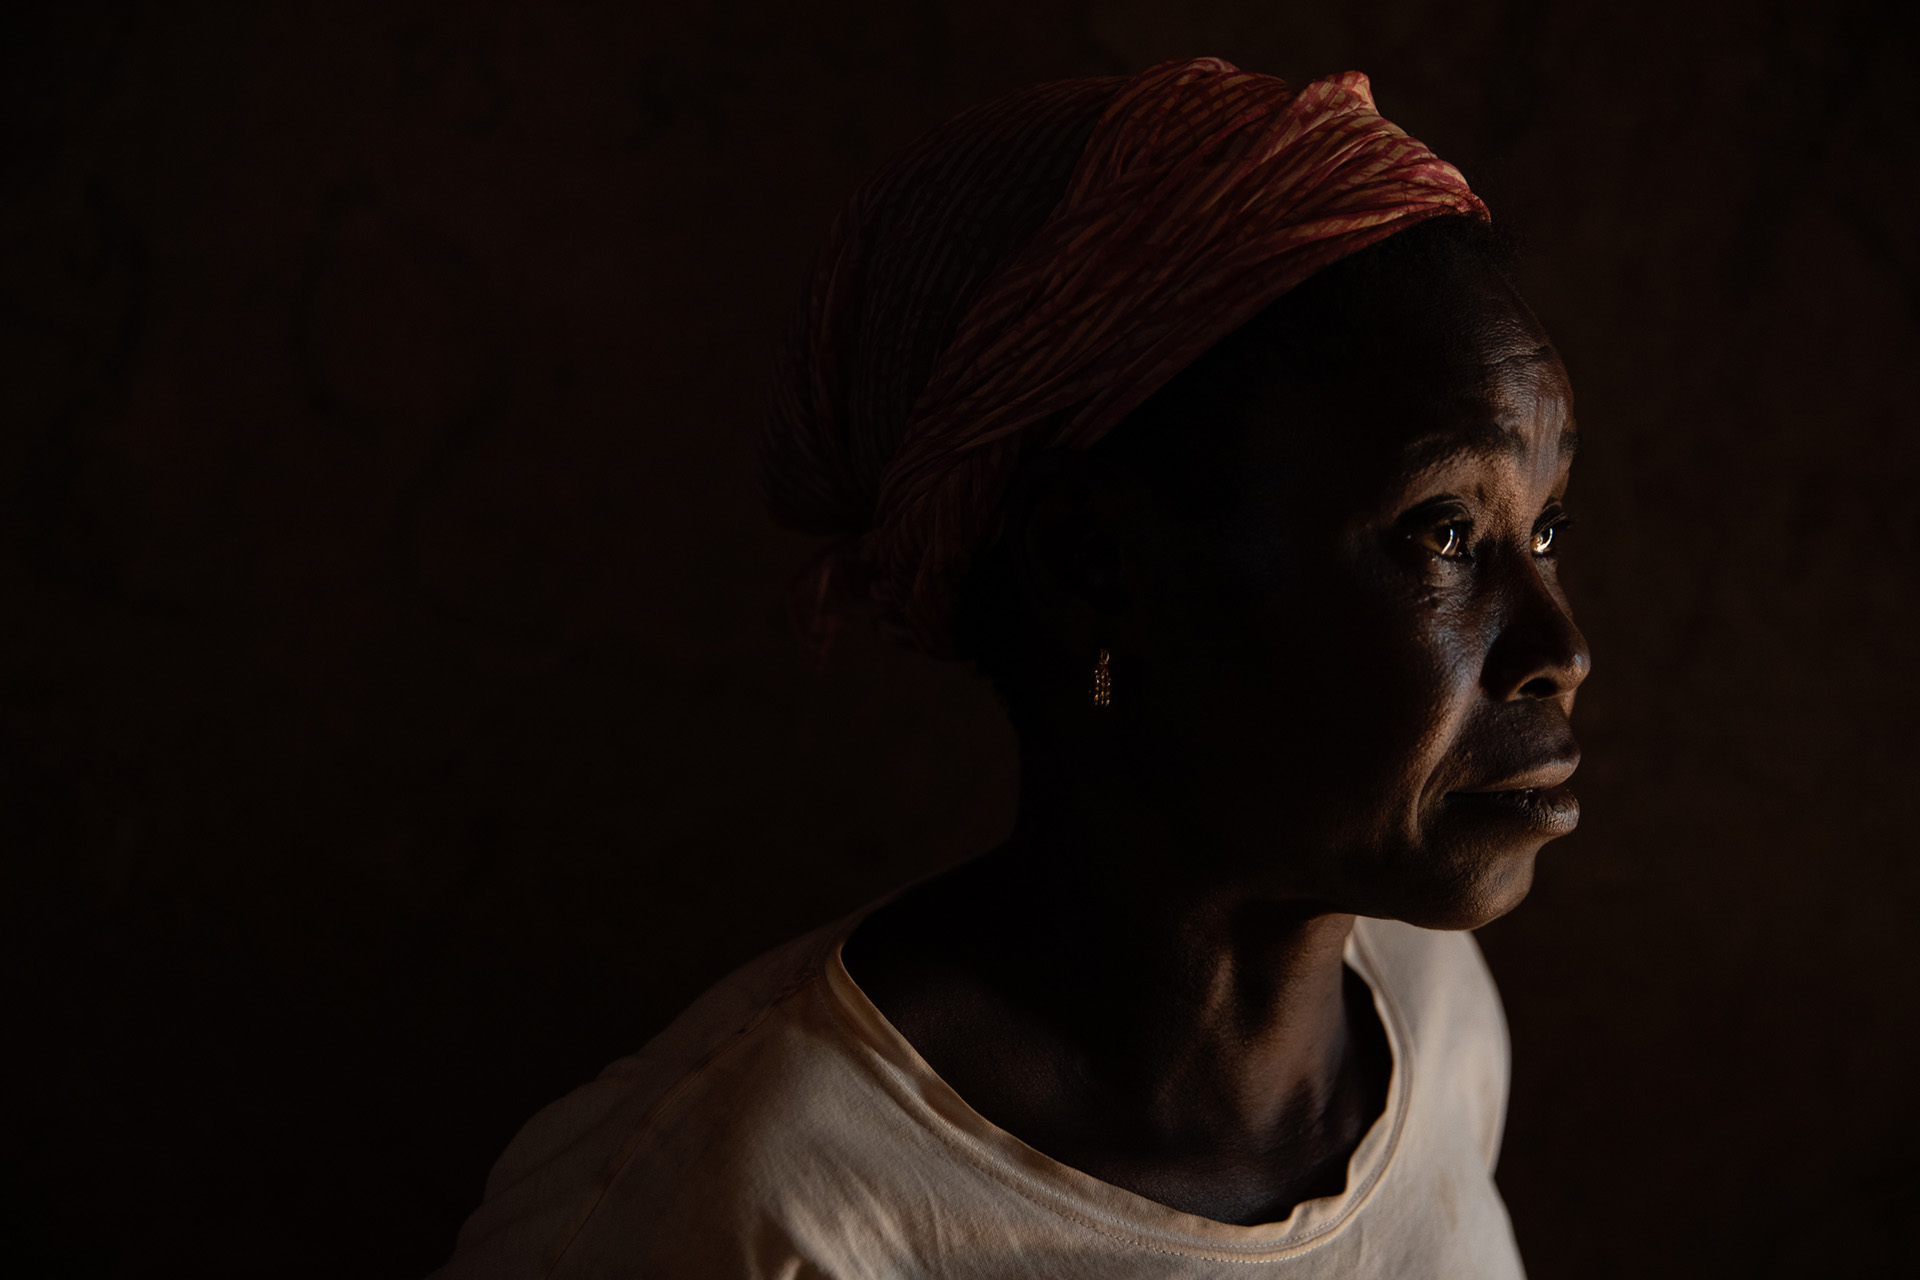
x=1394 y=675
x=1451 y=647
x=1340 y=687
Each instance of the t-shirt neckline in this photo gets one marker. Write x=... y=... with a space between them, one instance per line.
x=1101 y=1206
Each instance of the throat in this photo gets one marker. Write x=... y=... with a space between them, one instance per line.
x=1230 y=1077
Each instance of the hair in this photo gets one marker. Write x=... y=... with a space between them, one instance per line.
x=1179 y=441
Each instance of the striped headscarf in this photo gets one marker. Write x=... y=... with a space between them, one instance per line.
x=1024 y=276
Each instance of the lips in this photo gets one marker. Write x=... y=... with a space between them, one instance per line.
x=1535 y=796
x=1543 y=776
x=1548 y=811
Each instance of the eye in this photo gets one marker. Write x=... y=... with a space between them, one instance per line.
x=1448 y=541
x=1547 y=536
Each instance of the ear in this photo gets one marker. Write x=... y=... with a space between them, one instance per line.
x=1063 y=532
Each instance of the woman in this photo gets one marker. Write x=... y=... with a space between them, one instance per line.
x=1201 y=414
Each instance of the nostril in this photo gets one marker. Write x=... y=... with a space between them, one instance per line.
x=1541 y=687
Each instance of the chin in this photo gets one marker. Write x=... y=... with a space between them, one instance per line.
x=1470 y=892
x=1473 y=859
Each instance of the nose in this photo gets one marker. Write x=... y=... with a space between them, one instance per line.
x=1539 y=654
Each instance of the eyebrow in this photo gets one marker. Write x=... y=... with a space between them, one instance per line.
x=1480 y=438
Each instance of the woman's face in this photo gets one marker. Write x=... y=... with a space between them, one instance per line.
x=1358 y=678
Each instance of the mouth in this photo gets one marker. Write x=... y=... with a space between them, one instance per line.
x=1548 y=811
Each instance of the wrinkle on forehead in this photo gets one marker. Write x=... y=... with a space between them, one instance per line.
x=1541 y=354
x=1519 y=413
x=1417 y=378
x=1481 y=439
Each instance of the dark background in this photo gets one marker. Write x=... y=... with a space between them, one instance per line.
x=397 y=719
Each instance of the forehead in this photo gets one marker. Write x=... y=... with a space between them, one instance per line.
x=1432 y=382
x=1507 y=405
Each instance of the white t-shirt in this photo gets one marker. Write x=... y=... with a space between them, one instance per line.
x=782 y=1129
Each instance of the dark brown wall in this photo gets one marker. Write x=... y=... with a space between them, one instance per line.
x=398 y=720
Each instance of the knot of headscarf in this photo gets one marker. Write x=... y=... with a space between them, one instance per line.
x=1024 y=276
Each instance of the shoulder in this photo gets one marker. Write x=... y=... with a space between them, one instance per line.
x=1444 y=995
x=677 y=1128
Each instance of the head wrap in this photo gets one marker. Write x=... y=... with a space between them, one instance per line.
x=1024 y=276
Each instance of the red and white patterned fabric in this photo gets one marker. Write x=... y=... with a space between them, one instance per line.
x=1024 y=276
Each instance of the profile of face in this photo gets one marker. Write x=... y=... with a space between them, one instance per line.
x=1348 y=667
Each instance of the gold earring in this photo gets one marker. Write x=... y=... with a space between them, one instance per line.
x=1102 y=681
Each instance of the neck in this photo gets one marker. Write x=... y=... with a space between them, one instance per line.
x=1209 y=1009
x=1205 y=1012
